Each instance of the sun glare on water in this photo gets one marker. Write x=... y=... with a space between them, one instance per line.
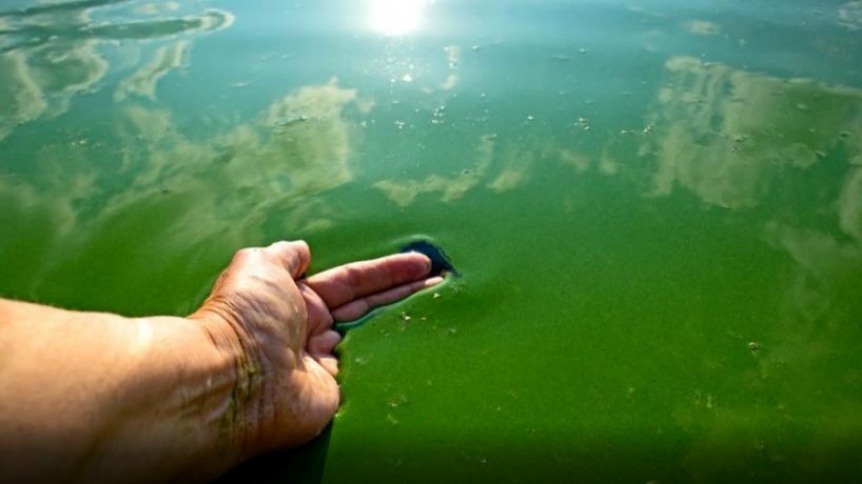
x=396 y=17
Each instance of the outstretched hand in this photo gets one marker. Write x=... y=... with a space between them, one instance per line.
x=283 y=324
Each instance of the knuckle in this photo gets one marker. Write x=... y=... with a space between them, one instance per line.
x=280 y=249
x=245 y=254
x=279 y=245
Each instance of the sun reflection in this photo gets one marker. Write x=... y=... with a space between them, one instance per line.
x=396 y=17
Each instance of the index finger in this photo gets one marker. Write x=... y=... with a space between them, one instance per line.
x=343 y=284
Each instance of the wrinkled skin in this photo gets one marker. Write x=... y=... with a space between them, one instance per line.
x=283 y=323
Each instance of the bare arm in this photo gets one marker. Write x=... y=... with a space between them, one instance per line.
x=84 y=395
x=98 y=397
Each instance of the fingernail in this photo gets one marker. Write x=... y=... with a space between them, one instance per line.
x=429 y=264
x=433 y=281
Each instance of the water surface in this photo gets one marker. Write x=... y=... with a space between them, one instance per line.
x=656 y=208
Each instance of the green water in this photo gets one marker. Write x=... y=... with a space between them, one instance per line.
x=656 y=206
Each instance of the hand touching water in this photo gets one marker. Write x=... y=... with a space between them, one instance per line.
x=99 y=397
x=286 y=391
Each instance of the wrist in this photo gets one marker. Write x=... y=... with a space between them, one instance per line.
x=183 y=414
x=239 y=356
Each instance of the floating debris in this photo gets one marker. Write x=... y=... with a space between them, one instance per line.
x=438 y=116
x=290 y=120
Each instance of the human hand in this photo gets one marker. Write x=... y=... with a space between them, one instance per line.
x=282 y=326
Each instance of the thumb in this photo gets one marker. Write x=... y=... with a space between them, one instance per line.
x=294 y=256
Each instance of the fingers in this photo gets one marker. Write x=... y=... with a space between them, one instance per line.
x=359 y=307
x=319 y=317
x=293 y=256
x=320 y=348
x=359 y=280
x=329 y=363
x=323 y=343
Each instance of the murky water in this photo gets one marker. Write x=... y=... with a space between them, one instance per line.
x=656 y=206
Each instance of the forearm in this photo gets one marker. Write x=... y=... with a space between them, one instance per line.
x=98 y=397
